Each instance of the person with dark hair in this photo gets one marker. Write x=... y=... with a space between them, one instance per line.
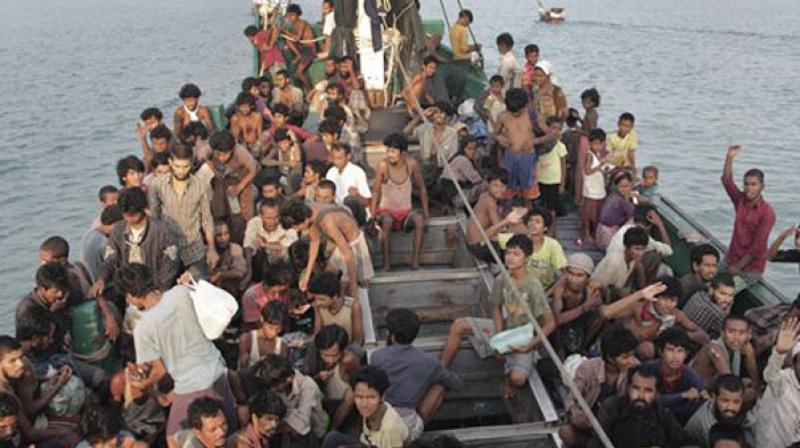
x=265 y=42
x=617 y=208
x=417 y=94
x=704 y=261
x=305 y=420
x=320 y=150
x=507 y=68
x=548 y=260
x=551 y=173
x=464 y=172
x=590 y=184
x=680 y=388
x=265 y=239
x=765 y=322
x=130 y=171
x=653 y=310
x=754 y=220
x=266 y=412
x=206 y=426
x=778 y=410
x=491 y=103
x=10 y=436
x=231 y=271
x=285 y=160
x=301 y=42
x=516 y=136
x=281 y=115
x=272 y=286
x=636 y=419
x=336 y=362
x=351 y=255
x=725 y=435
x=103 y=427
x=646 y=217
x=392 y=206
x=352 y=186
x=648 y=187
x=316 y=98
x=160 y=139
x=709 y=308
x=488 y=214
x=438 y=140
x=598 y=379
x=590 y=100
x=195 y=136
x=726 y=407
x=459 y=66
x=138 y=238
x=508 y=313
x=266 y=339
x=576 y=299
x=331 y=307
x=418 y=381
x=158 y=167
x=326 y=193
x=161 y=341
x=247 y=125
x=150 y=118
x=382 y=425
x=234 y=169
x=51 y=295
x=313 y=174
x=181 y=201
x=731 y=352
x=290 y=96
x=619 y=271
x=622 y=144
x=778 y=255
x=191 y=110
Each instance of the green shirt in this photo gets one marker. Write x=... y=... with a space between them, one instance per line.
x=546 y=261
x=514 y=311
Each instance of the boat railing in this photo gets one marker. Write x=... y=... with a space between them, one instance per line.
x=693 y=232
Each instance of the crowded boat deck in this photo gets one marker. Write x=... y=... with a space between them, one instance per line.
x=375 y=244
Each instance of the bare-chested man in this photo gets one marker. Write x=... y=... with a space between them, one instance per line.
x=576 y=300
x=246 y=125
x=301 y=42
x=191 y=110
x=416 y=94
x=488 y=214
x=335 y=223
x=392 y=208
x=515 y=135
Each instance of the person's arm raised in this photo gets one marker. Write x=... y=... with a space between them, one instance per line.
x=618 y=308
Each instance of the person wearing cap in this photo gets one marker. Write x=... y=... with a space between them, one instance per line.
x=778 y=412
x=575 y=302
x=548 y=98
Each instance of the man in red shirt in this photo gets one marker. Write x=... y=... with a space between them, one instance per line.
x=754 y=219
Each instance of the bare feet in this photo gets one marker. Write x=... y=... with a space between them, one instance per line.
x=386 y=267
x=415 y=266
x=508 y=389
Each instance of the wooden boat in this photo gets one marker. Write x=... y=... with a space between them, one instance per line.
x=552 y=15
x=450 y=286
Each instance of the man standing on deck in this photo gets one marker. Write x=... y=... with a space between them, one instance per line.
x=754 y=219
x=459 y=42
x=181 y=201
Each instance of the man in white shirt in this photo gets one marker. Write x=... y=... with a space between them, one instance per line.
x=645 y=217
x=352 y=188
x=264 y=232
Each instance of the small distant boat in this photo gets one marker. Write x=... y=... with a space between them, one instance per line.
x=551 y=15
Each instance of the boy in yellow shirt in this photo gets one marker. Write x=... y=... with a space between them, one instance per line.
x=622 y=144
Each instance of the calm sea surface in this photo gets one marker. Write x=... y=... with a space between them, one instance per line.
x=698 y=75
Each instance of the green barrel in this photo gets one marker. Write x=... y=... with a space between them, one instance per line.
x=89 y=342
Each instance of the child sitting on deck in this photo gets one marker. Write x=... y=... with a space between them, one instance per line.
x=508 y=313
x=331 y=307
x=548 y=258
x=649 y=184
x=622 y=144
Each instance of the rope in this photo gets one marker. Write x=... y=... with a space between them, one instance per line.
x=444 y=14
x=515 y=292
x=302 y=41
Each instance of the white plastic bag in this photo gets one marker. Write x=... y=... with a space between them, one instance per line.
x=516 y=337
x=214 y=307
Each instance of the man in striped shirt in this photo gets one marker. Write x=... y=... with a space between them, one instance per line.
x=182 y=201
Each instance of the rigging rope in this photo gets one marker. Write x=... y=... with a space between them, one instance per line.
x=515 y=292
